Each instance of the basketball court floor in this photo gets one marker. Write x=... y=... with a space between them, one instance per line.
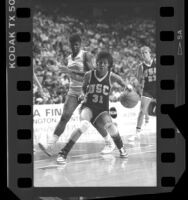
x=86 y=167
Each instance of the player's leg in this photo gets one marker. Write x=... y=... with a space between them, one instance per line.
x=145 y=101
x=85 y=116
x=104 y=120
x=146 y=118
x=151 y=94
x=69 y=107
x=109 y=144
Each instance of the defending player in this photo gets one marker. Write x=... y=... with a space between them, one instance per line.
x=95 y=109
x=78 y=63
x=148 y=68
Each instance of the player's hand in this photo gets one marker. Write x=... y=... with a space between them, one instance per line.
x=41 y=92
x=129 y=87
x=46 y=97
x=81 y=98
x=154 y=100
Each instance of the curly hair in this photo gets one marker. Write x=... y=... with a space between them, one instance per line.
x=145 y=48
x=74 y=38
x=105 y=55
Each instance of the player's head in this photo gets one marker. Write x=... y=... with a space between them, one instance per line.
x=104 y=61
x=146 y=53
x=75 y=42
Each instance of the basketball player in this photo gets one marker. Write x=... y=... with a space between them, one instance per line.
x=95 y=108
x=78 y=63
x=148 y=68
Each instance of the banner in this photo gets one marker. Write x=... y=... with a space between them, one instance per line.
x=46 y=117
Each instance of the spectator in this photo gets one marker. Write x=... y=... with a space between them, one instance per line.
x=123 y=38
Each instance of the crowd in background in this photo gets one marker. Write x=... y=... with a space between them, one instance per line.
x=123 y=37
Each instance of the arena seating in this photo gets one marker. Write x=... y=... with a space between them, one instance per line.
x=122 y=38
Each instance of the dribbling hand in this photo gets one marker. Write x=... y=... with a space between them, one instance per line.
x=81 y=98
x=128 y=88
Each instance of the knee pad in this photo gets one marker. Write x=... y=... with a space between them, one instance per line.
x=84 y=125
x=111 y=128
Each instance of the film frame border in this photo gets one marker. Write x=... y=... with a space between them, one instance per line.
x=170 y=143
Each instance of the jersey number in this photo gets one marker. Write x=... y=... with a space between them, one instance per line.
x=97 y=98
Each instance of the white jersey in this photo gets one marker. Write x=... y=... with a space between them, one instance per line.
x=76 y=64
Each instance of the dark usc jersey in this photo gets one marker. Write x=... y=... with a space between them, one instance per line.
x=98 y=91
x=150 y=77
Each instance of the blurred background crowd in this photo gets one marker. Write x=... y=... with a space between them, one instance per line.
x=122 y=33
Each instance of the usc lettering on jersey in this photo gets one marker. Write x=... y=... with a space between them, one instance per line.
x=149 y=76
x=98 y=91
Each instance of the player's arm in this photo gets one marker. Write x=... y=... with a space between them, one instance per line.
x=79 y=74
x=63 y=66
x=86 y=81
x=139 y=73
x=43 y=93
x=140 y=78
x=114 y=78
x=88 y=65
x=66 y=70
x=37 y=82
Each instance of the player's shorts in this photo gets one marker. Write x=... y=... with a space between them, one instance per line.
x=96 y=112
x=75 y=91
x=149 y=93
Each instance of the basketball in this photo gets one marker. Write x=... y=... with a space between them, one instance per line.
x=129 y=99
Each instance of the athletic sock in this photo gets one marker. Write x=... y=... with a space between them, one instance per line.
x=118 y=141
x=75 y=136
x=67 y=148
x=107 y=138
x=54 y=139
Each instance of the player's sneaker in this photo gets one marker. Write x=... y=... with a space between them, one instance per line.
x=61 y=158
x=136 y=136
x=109 y=147
x=50 y=148
x=123 y=153
x=132 y=138
x=146 y=127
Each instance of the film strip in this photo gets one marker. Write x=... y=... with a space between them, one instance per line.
x=170 y=94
